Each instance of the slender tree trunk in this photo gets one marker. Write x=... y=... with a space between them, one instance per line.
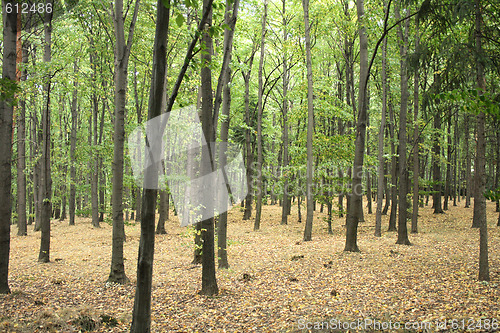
x=72 y=149
x=286 y=201
x=456 y=145
x=341 y=178
x=22 y=228
x=394 y=173
x=122 y=53
x=258 y=203
x=310 y=127
x=163 y=216
x=46 y=179
x=447 y=186
x=249 y=155
x=141 y=317
x=403 y=112
x=381 y=159
x=480 y=179
x=468 y=177
x=497 y=173
x=94 y=170
x=353 y=212
x=414 y=217
x=436 y=165
x=6 y=112
x=230 y=20
x=138 y=107
x=208 y=279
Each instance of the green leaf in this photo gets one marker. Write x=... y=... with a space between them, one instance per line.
x=179 y=19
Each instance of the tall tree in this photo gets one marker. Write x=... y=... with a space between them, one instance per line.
x=248 y=135
x=258 y=203
x=208 y=280
x=230 y=20
x=310 y=126
x=46 y=179
x=436 y=158
x=94 y=164
x=286 y=202
x=141 y=317
x=403 y=112
x=468 y=177
x=353 y=212
x=72 y=149
x=6 y=112
x=21 y=148
x=381 y=159
x=122 y=53
x=480 y=173
x=415 y=150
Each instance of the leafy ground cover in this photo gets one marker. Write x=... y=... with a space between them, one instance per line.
x=275 y=282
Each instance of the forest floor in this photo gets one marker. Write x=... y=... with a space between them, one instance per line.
x=276 y=282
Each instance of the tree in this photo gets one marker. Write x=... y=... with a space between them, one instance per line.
x=353 y=212
x=163 y=210
x=230 y=20
x=46 y=177
x=208 y=280
x=258 y=204
x=381 y=159
x=122 y=54
x=415 y=150
x=310 y=126
x=403 y=112
x=141 y=317
x=72 y=157
x=6 y=111
x=480 y=173
x=21 y=152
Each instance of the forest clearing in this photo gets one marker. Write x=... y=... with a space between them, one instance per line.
x=269 y=285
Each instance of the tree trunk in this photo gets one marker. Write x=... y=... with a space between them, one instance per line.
x=286 y=201
x=468 y=177
x=414 y=217
x=122 y=53
x=94 y=170
x=249 y=155
x=72 y=149
x=46 y=179
x=164 y=198
x=436 y=165
x=394 y=173
x=258 y=203
x=141 y=317
x=102 y=191
x=387 y=192
x=22 y=228
x=381 y=159
x=230 y=20
x=138 y=107
x=480 y=172
x=6 y=112
x=403 y=112
x=310 y=127
x=497 y=173
x=353 y=213
x=368 y=172
x=456 y=144
x=447 y=186
x=208 y=280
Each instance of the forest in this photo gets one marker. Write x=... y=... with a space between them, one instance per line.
x=250 y=166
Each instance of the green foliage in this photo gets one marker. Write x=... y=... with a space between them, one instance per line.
x=8 y=91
